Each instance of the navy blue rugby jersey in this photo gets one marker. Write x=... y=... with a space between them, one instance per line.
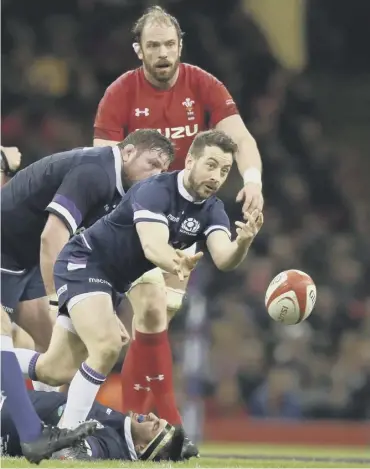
x=113 y=439
x=113 y=241
x=79 y=186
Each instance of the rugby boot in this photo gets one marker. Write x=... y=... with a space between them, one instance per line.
x=53 y=439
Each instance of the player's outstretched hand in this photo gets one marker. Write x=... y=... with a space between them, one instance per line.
x=185 y=263
x=125 y=336
x=247 y=231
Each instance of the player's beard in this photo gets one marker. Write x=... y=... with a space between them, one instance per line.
x=199 y=190
x=126 y=181
x=162 y=76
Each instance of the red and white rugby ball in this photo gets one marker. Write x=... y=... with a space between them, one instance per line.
x=290 y=297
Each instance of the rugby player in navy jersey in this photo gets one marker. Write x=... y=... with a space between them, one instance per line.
x=45 y=203
x=127 y=437
x=155 y=220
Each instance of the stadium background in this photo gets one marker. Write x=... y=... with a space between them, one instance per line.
x=299 y=71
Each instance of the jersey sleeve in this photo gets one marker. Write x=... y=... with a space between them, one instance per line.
x=83 y=187
x=217 y=220
x=112 y=114
x=218 y=101
x=150 y=202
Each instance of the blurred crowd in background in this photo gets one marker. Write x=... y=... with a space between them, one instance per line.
x=55 y=68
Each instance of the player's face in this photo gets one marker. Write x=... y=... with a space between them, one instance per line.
x=142 y=164
x=160 y=52
x=144 y=428
x=208 y=172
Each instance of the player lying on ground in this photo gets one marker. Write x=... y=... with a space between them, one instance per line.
x=126 y=437
x=155 y=220
x=34 y=440
x=45 y=203
x=179 y=100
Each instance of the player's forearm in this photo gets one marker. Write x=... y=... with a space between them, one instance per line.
x=233 y=255
x=248 y=159
x=161 y=255
x=49 y=252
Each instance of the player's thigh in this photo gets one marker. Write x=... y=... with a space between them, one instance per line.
x=175 y=293
x=33 y=316
x=93 y=317
x=147 y=296
x=65 y=354
x=172 y=281
x=33 y=310
x=85 y=295
x=21 y=339
x=5 y=325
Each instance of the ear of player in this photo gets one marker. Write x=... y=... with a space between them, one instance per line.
x=290 y=297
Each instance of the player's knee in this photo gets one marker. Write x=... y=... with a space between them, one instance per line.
x=149 y=303
x=21 y=339
x=6 y=325
x=51 y=373
x=106 y=351
x=153 y=317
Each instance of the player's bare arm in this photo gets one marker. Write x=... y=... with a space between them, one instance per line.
x=53 y=239
x=248 y=160
x=154 y=241
x=227 y=254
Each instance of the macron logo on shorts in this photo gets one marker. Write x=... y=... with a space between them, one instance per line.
x=99 y=280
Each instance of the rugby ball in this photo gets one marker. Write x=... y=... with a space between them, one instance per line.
x=290 y=297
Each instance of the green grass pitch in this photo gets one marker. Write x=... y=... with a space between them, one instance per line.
x=234 y=456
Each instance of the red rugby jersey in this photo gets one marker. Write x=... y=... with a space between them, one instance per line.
x=196 y=102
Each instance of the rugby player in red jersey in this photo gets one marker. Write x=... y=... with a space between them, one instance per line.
x=179 y=100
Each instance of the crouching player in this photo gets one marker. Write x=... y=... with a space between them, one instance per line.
x=127 y=437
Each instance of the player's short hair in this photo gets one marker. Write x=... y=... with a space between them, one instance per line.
x=212 y=138
x=149 y=139
x=155 y=14
x=166 y=446
x=173 y=450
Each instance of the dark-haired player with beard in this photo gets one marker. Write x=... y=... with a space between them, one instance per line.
x=45 y=203
x=129 y=437
x=179 y=100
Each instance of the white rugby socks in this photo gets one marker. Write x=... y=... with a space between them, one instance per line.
x=81 y=396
